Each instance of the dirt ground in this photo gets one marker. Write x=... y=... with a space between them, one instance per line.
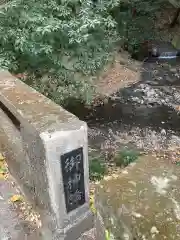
x=123 y=72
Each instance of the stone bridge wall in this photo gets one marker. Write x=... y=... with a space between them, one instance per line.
x=34 y=135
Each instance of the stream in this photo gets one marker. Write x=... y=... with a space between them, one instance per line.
x=143 y=116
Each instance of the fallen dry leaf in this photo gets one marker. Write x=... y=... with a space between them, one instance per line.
x=178 y=108
x=1 y=157
x=3 y=169
x=16 y=198
x=2 y=176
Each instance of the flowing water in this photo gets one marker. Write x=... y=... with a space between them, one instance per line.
x=143 y=115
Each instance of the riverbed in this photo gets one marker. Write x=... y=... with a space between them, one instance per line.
x=144 y=115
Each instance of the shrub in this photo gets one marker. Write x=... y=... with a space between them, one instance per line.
x=61 y=44
x=66 y=41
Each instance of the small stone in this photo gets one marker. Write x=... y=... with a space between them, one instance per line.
x=1 y=157
x=163 y=132
x=174 y=70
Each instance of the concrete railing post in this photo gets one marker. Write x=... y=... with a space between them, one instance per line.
x=54 y=151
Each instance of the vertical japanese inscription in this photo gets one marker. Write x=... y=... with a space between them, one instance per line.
x=73 y=178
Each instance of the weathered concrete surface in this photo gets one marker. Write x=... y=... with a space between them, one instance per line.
x=143 y=202
x=29 y=106
x=12 y=227
x=89 y=235
x=34 y=133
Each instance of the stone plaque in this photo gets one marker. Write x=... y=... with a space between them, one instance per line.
x=73 y=178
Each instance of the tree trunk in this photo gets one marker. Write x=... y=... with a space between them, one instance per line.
x=174 y=21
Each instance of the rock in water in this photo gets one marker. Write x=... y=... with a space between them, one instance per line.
x=164 y=50
x=142 y=202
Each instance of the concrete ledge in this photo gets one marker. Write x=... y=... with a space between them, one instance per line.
x=34 y=151
x=142 y=202
x=30 y=107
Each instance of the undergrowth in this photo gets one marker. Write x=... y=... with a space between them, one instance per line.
x=125 y=157
x=97 y=168
x=61 y=45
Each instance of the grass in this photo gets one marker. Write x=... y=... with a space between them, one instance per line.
x=125 y=157
x=97 y=168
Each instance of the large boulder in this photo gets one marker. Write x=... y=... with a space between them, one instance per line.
x=141 y=203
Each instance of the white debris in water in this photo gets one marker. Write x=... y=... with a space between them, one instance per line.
x=125 y=172
x=163 y=132
x=154 y=230
x=133 y=183
x=174 y=177
x=126 y=236
x=137 y=215
x=112 y=221
x=160 y=183
x=176 y=208
x=132 y=164
x=143 y=237
x=107 y=178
